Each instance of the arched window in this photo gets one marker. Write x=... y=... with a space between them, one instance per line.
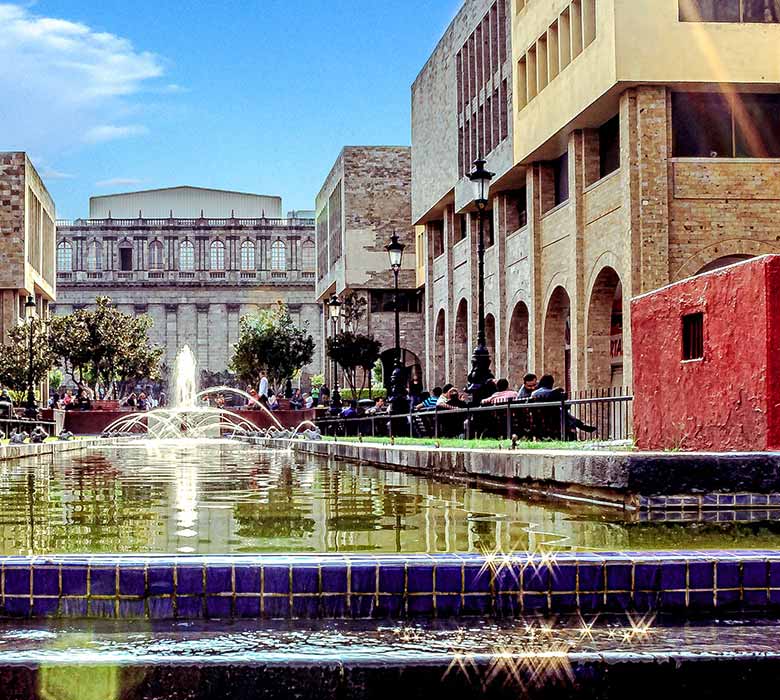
x=65 y=257
x=308 y=257
x=93 y=257
x=156 y=255
x=217 y=256
x=248 y=256
x=278 y=256
x=186 y=256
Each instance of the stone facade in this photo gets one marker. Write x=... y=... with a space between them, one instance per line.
x=599 y=202
x=196 y=278
x=27 y=217
x=364 y=200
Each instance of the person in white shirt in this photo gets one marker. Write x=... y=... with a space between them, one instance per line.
x=263 y=388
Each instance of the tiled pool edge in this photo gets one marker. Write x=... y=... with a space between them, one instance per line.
x=364 y=587
x=635 y=480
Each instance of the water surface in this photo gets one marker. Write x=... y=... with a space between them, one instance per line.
x=220 y=497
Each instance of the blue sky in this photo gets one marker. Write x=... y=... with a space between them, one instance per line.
x=112 y=95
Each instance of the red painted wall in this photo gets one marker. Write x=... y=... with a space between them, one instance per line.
x=730 y=399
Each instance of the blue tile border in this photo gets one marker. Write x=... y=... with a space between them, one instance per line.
x=378 y=587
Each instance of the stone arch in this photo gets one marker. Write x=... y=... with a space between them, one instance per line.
x=556 y=341
x=741 y=247
x=460 y=344
x=604 y=349
x=439 y=373
x=518 y=344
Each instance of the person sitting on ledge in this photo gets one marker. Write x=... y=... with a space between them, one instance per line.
x=351 y=411
x=530 y=385
x=453 y=400
x=547 y=392
x=445 y=394
x=273 y=401
x=431 y=401
x=6 y=403
x=66 y=435
x=378 y=408
x=83 y=402
x=502 y=395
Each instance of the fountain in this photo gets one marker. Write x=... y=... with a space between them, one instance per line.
x=187 y=417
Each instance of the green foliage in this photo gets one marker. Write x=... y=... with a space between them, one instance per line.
x=353 y=311
x=378 y=374
x=353 y=351
x=15 y=356
x=318 y=381
x=348 y=394
x=104 y=346
x=270 y=342
x=55 y=379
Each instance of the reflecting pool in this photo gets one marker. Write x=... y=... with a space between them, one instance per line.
x=219 y=497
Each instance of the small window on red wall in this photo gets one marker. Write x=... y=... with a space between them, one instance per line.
x=693 y=337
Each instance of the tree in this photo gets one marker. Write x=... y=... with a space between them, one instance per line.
x=353 y=310
x=270 y=342
x=104 y=346
x=15 y=357
x=353 y=351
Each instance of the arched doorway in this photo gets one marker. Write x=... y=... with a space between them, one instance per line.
x=439 y=372
x=490 y=339
x=518 y=345
x=723 y=262
x=459 y=368
x=604 y=350
x=410 y=363
x=556 y=344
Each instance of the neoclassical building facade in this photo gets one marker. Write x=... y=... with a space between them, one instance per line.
x=195 y=277
x=641 y=149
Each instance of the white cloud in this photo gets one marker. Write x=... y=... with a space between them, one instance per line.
x=63 y=82
x=109 y=132
x=48 y=173
x=119 y=182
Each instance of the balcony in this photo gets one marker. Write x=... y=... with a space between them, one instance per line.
x=157 y=275
x=246 y=276
x=94 y=275
x=217 y=275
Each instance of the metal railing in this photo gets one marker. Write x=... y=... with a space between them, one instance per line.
x=609 y=416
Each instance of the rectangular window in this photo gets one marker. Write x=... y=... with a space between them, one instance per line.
x=462 y=227
x=706 y=126
x=757 y=126
x=490 y=230
x=541 y=63
x=522 y=207
x=609 y=146
x=436 y=233
x=522 y=83
x=561 y=178
x=701 y=125
x=751 y=11
x=126 y=259
x=383 y=301
x=575 y=15
x=564 y=40
x=693 y=336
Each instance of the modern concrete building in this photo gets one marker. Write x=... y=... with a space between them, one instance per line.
x=195 y=277
x=27 y=241
x=363 y=201
x=643 y=149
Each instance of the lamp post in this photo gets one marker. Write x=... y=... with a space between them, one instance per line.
x=31 y=408
x=334 y=307
x=399 y=402
x=480 y=362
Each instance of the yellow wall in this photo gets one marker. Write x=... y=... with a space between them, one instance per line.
x=637 y=42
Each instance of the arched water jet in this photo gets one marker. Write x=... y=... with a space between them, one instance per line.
x=239 y=392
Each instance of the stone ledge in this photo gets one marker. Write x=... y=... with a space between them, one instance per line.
x=27 y=450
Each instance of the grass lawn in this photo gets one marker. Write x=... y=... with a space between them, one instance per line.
x=454 y=443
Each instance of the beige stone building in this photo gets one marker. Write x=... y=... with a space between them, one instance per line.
x=364 y=199
x=27 y=240
x=195 y=277
x=642 y=148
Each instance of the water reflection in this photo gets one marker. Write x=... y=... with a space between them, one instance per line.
x=217 y=497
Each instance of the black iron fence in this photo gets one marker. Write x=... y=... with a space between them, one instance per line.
x=607 y=417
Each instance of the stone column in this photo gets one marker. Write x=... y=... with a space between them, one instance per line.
x=233 y=317
x=171 y=333
x=202 y=335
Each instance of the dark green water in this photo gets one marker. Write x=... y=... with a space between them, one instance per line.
x=220 y=497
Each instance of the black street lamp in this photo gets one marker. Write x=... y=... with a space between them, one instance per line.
x=480 y=362
x=399 y=401
x=334 y=308
x=31 y=408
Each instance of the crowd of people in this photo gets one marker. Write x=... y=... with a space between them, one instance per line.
x=541 y=390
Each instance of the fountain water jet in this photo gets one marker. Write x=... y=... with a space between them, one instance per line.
x=185 y=418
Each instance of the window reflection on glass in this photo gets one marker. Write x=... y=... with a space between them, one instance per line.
x=186 y=256
x=248 y=256
x=217 y=256
x=278 y=256
x=65 y=257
